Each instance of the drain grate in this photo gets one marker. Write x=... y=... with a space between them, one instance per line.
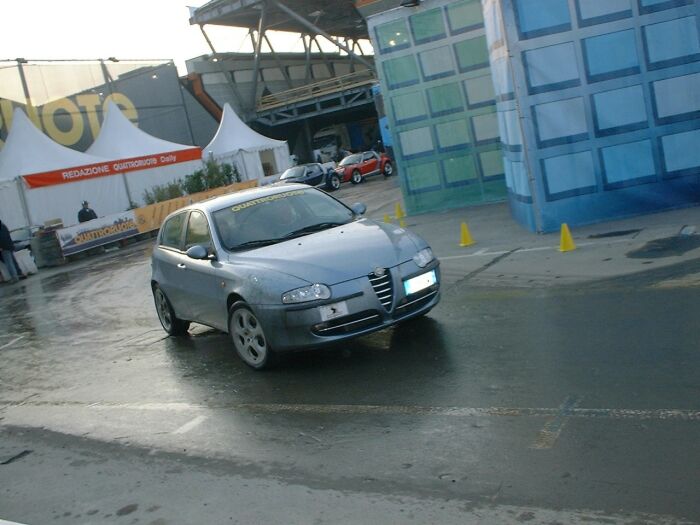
x=618 y=233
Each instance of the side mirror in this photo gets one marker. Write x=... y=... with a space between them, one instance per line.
x=358 y=208
x=198 y=252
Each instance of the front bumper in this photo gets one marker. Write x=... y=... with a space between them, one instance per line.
x=302 y=326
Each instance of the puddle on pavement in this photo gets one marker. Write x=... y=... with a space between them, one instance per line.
x=666 y=247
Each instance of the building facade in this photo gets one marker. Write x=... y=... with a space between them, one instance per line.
x=598 y=105
x=433 y=65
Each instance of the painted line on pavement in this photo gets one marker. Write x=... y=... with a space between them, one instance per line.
x=583 y=413
x=11 y=343
x=548 y=436
x=190 y=425
x=5 y=522
x=484 y=253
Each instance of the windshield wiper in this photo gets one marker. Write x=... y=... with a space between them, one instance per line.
x=313 y=228
x=255 y=244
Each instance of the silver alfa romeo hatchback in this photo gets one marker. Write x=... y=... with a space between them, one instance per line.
x=288 y=267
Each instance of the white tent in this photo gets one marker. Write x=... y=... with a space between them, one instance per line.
x=237 y=144
x=28 y=151
x=121 y=139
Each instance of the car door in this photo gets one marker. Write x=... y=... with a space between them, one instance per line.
x=308 y=174
x=369 y=163
x=203 y=278
x=315 y=175
x=168 y=256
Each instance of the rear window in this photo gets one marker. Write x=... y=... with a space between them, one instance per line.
x=297 y=171
x=352 y=159
x=172 y=231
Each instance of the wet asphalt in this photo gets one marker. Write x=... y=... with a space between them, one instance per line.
x=565 y=404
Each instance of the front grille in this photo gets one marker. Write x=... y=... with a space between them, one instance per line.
x=348 y=324
x=416 y=301
x=383 y=287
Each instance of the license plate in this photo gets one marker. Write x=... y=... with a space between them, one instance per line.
x=332 y=311
x=420 y=282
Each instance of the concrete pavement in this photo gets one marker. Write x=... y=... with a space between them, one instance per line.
x=506 y=254
x=532 y=403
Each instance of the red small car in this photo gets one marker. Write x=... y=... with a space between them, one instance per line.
x=355 y=167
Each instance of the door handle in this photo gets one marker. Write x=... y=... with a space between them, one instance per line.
x=182 y=266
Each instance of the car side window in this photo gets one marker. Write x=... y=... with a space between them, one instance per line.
x=197 y=231
x=366 y=157
x=172 y=231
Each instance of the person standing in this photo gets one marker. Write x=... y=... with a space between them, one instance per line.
x=86 y=213
x=7 y=247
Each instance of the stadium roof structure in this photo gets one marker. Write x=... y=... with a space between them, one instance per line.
x=338 y=18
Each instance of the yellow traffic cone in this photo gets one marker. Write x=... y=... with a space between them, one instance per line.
x=466 y=236
x=399 y=211
x=387 y=219
x=566 y=244
x=402 y=223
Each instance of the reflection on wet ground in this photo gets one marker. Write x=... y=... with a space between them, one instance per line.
x=83 y=353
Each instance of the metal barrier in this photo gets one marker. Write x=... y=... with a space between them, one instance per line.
x=318 y=89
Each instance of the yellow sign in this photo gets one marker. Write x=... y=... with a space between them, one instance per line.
x=66 y=120
x=149 y=218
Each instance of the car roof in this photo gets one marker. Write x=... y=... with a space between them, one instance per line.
x=231 y=199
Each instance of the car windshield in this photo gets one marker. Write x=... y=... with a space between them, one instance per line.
x=351 y=159
x=296 y=171
x=278 y=217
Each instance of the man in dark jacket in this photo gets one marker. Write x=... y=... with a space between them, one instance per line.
x=7 y=247
x=86 y=213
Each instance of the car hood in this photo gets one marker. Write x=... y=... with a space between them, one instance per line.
x=338 y=254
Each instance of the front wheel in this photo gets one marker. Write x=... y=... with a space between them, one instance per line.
x=166 y=314
x=248 y=336
x=333 y=182
x=388 y=169
x=356 y=177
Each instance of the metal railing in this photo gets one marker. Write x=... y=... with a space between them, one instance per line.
x=317 y=89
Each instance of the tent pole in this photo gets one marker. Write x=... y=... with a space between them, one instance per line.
x=23 y=202
x=128 y=193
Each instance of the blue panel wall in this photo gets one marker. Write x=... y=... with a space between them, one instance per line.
x=598 y=106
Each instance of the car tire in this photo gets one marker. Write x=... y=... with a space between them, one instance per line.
x=166 y=315
x=248 y=336
x=333 y=182
x=356 y=177
x=388 y=169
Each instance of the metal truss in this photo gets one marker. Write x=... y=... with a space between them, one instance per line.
x=313 y=98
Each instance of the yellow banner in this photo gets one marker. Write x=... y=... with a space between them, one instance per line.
x=149 y=218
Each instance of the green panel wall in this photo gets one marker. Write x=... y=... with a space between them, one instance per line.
x=434 y=71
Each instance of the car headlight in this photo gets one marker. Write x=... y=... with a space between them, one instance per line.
x=423 y=257
x=307 y=293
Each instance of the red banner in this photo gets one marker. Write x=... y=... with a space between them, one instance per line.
x=113 y=167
